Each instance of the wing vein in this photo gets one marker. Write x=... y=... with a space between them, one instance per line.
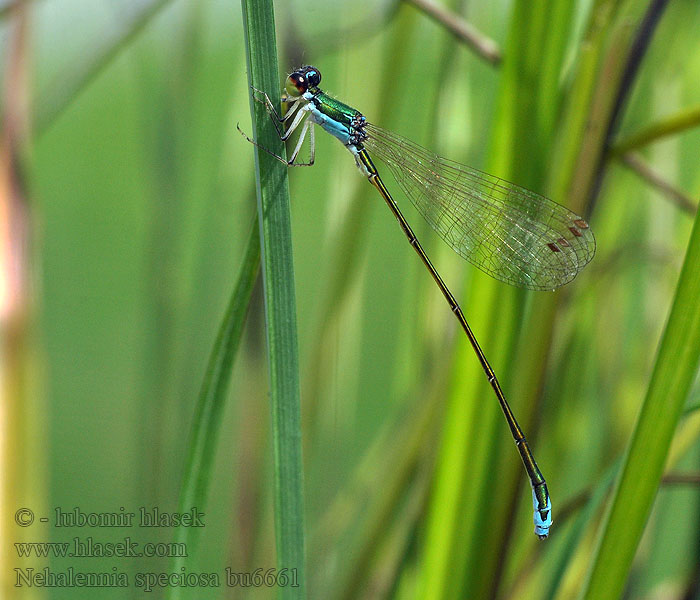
x=511 y=233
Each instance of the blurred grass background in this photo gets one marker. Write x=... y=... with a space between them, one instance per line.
x=142 y=198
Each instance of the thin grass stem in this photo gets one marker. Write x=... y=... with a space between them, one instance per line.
x=280 y=302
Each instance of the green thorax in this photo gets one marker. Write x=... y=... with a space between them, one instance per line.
x=334 y=109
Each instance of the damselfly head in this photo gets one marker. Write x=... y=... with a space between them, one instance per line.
x=301 y=80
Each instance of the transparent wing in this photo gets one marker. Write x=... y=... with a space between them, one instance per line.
x=511 y=233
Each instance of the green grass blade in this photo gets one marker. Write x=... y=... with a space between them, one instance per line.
x=580 y=527
x=671 y=381
x=280 y=304
x=460 y=559
x=523 y=158
x=207 y=417
x=676 y=123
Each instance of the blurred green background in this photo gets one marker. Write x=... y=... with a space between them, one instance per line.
x=142 y=196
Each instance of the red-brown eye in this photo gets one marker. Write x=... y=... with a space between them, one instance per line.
x=296 y=84
x=299 y=82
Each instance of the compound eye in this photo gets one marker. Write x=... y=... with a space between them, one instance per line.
x=296 y=84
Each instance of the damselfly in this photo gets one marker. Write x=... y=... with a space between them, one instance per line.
x=511 y=233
